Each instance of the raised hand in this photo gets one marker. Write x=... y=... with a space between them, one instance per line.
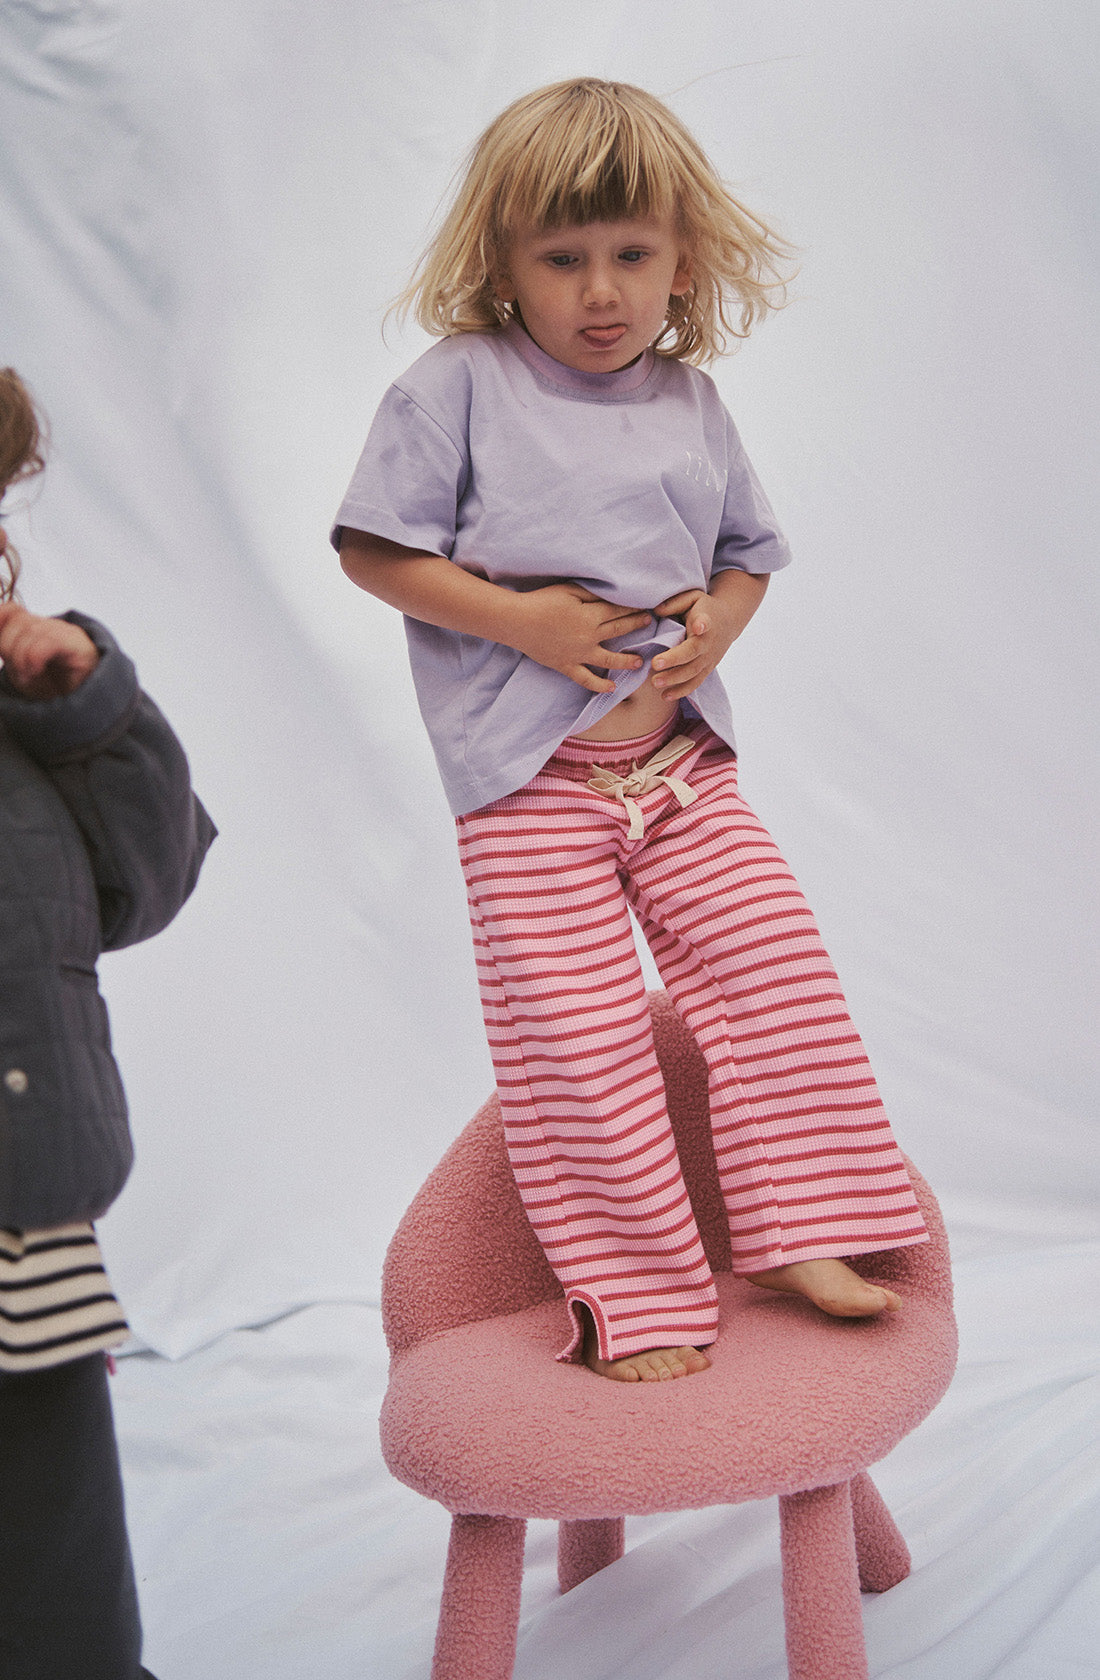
x=43 y=658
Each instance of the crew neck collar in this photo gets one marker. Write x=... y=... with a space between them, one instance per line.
x=576 y=380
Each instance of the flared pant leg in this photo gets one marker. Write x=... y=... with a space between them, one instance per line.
x=807 y=1161
x=585 y=1118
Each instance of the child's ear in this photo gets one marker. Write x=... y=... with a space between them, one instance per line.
x=681 y=280
x=503 y=289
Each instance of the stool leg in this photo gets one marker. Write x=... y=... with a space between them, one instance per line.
x=587 y=1545
x=479 y=1615
x=882 y=1554
x=821 y=1586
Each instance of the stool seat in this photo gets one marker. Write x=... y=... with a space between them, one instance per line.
x=484 y=1419
x=481 y=1416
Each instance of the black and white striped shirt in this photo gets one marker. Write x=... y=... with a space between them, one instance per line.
x=56 y=1301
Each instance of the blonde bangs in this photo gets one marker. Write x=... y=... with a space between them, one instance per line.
x=591 y=151
x=587 y=157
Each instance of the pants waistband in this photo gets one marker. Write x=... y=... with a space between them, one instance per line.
x=627 y=770
x=575 y=753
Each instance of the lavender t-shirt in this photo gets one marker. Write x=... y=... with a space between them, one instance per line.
x=526 y=472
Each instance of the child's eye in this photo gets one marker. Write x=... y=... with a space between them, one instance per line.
x=632 y=256
x=560 y=259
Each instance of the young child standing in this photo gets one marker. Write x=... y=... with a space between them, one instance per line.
x=558 y=502
x=101 y=843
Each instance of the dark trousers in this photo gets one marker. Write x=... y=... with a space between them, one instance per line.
x=68 y=1603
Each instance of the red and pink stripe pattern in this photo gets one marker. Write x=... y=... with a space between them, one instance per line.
x=807 y=1162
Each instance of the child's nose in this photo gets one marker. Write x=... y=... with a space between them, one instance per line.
x=601 y=286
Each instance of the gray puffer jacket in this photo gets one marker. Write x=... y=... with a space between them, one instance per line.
x=101 y=842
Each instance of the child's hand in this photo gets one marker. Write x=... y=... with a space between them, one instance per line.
x=43 y=658
x=712 y=625
x=564 y=627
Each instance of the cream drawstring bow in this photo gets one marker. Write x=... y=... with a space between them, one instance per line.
x=643 y=779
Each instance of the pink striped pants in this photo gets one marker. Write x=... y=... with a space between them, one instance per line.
x=807 y=1162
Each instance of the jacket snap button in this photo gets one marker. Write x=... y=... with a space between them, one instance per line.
x=16 y=1081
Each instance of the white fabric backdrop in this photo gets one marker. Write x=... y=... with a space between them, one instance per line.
x=203 y=213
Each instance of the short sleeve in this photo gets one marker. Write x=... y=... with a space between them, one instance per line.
x=409 y=479
x=749 y=538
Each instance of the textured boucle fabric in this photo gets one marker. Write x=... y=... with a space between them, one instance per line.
x=586 y=1547
x=483 y=1418
x=882 y=1555
x=480 y=1416
x=824 y=1623
x=481 y=1598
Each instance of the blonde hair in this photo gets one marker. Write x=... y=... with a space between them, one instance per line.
x=585 y=151
x=21 y=453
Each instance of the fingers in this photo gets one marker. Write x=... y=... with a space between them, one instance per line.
x=621 y=623
x=677 y=605
x=678 y=685
x=14 y=623
x=10 y=614
x=613 y=612
x=45 y=658
x=684 y=653
x=589 y=680
x=698 y=621
x=619 y=661
x=567 y=627
x=680 y=670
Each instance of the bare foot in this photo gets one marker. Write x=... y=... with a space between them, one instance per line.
x=830 y=1285
x=654 y=1365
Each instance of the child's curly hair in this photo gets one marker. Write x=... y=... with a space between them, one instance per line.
x=584 y=151
x=21 y=453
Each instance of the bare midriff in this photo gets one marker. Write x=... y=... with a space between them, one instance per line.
x=639 y=714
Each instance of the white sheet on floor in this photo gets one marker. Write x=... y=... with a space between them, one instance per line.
x=272 y=1543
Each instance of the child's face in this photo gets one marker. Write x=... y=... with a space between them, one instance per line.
x=594 y=296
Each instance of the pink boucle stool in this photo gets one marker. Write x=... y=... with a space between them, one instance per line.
x=480 y=1416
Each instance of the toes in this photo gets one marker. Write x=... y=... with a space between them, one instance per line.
x=875 y=1299
x=655 y=1365
x=863 y=1303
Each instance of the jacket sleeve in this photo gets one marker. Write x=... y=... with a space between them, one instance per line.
x=117 y=764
